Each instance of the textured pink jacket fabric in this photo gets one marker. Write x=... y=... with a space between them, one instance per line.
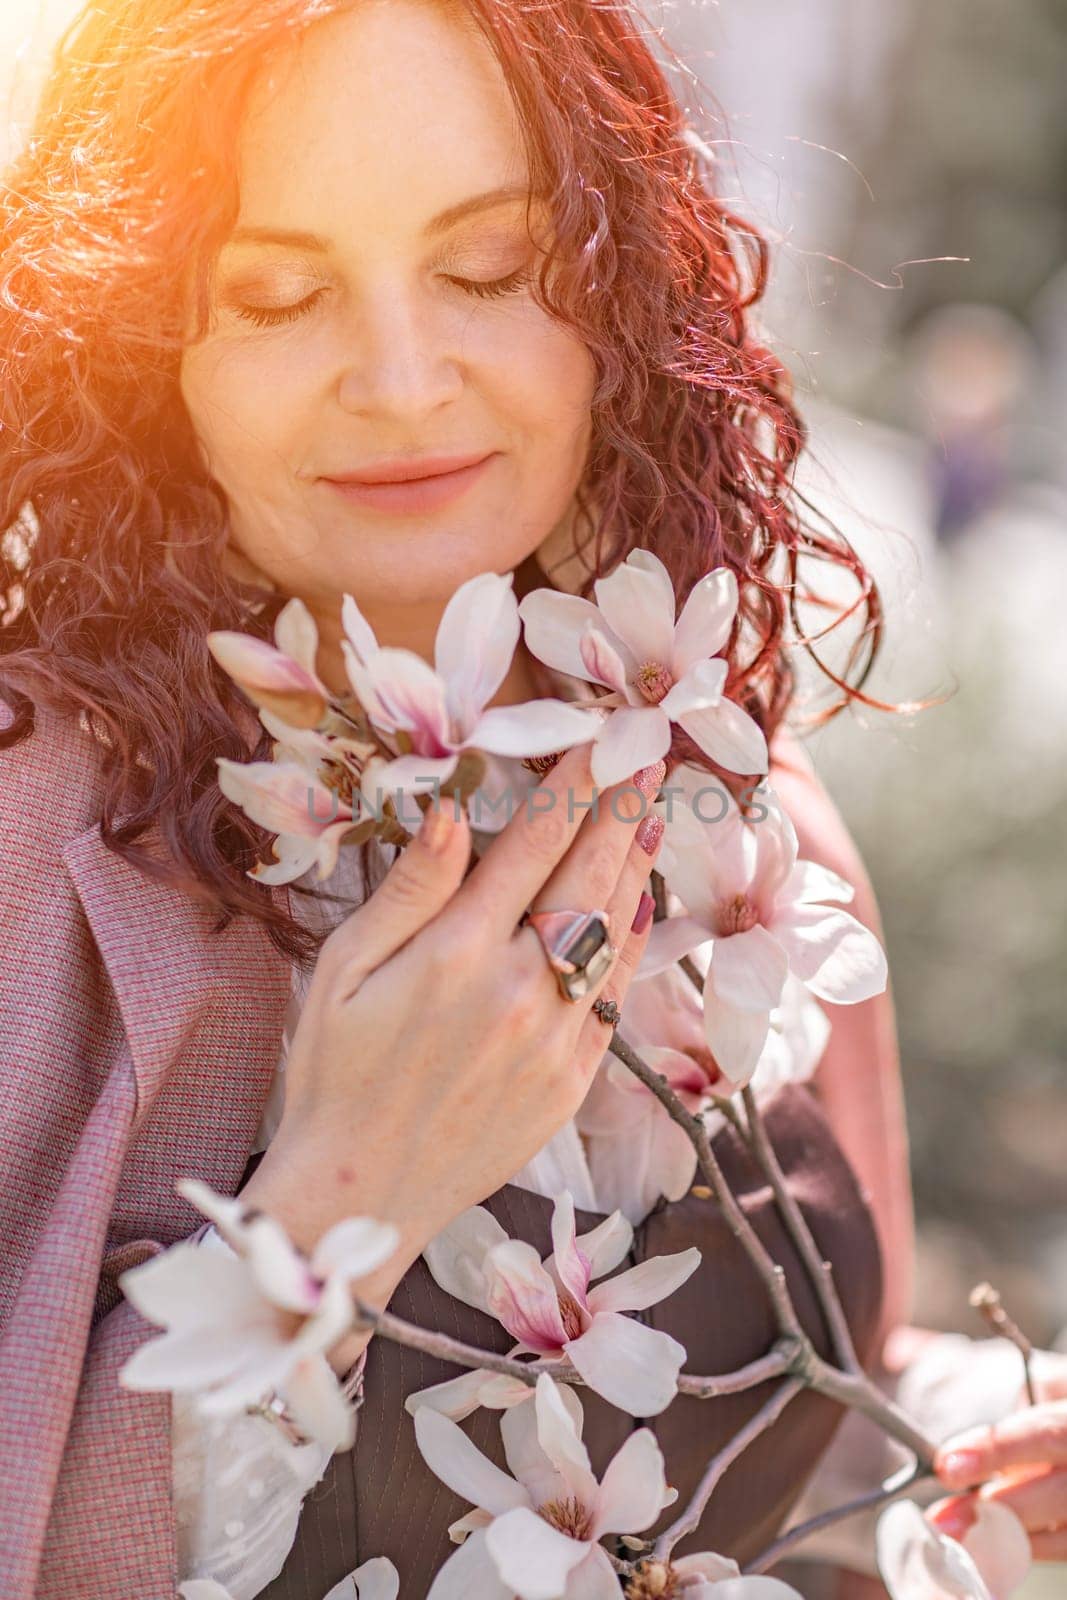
x=135 y=1047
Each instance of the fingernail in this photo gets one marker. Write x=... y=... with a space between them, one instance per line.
x=650 y=832
x=959 y=1466
x=649 y=779
x=643 y=915
x=435 y=829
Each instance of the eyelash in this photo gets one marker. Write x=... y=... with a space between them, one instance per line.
x=271 y=317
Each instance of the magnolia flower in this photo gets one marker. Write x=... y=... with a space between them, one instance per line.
x=442 y=710
x=256 y=1317
x=281 y=677
x=551 y=1310
x=917 y=1562
x=703 y=1577
x=744 y=889
x=659 y=671
x=535 y=1534
x=374 y=1580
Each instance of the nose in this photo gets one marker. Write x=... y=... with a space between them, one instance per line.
x=401 y=360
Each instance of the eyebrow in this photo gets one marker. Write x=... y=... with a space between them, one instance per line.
x=492 y=199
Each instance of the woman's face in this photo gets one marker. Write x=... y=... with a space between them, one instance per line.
x=402 y=329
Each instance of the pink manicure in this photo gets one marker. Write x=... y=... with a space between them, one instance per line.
x=649 y=779
x=650 y=832
x=643 y=915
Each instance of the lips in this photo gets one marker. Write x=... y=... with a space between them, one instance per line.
x=412 y=470
x=406 y=495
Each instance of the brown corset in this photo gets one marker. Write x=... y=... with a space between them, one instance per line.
x=380 y=1499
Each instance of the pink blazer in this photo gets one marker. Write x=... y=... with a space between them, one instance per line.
x=135 y=1047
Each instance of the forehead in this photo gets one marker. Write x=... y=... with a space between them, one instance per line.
x=390 y=110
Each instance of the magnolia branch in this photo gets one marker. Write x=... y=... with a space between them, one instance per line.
x=907 y=1478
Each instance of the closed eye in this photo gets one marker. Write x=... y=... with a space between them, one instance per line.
x=274 y=316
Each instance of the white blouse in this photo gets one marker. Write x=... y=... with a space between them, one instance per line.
x=239 y=1484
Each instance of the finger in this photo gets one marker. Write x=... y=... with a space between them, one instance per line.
x=590 y=874
x=419 y=884
x=1032 y=1437
x=1049 y=1546
x=595 y=1035
x=955 y=1515
x=1039 y=1499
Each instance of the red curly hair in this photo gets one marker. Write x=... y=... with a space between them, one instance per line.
x=111 y=569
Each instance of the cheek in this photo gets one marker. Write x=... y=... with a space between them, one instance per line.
x=551 y=377
x=241 y=409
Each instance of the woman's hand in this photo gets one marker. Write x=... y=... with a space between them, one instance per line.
x=1021 y=1463
x=435 y=1055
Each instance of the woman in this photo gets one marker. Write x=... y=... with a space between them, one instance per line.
x=251 y=249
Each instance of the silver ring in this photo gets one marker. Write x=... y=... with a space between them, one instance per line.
x=577 y=948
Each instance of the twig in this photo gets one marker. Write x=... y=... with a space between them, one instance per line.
x=906 y=1478
x=986 y=1300
x=819 y=1270
x=767 y=1414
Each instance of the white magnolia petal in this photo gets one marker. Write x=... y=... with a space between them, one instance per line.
x=607 y=1243
x=668 y=941
x=292 y=858
x=533 y=1558
x=735 y=1038
x=456 y=1255
x=354 y=1247
x=553 y=624
x=748 y=970
x=458 y=1530
x=296 y=634
x=918 y=1563
x=699 y=690
x=999 y=1546
x=646 y=1284
x=535 y=728
x=318 y=1405
x=707 y=617
x=572 y=1267
x=461 y=1465
x=374 y=1580
x=729 y=736
x=630 y=737
x=633 y=1491
x=188 y=1362
x=753 y=1588
x=637 y=602
x=280 y=796
x=205 y=1589
x=358 y=631
x=525 y=1457
x=832 y=952
x=559 y=1436
x=523 y=1297
x=593 y=1578
x=458 y=1397
x=471 y=1571
x=602 y=662
x=706 y=1564
x=811 y=881
x=407 y=774
x=475 y=642
x=634 y=1367
x=189 y=1287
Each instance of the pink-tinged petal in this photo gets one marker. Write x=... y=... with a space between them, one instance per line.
x=605 y=1245
x=630 y=738
x=471 y=1571
x=775 y=854
x=358 y=631
x=461 y=1465
x=918 y=1563
x=809 y=881
x=670 y=940
x=622 y=1173
x=699 y=690
x=834 y=954
x=527 y=1461
x=354 y=1247
x=572 y=1269
x=475 y=642
x=748 y=970
x=292 y=858
x=729 y=736
x=532 y=1558
x=280 y=797
x=634 y=1489
x=999 y=1546
x=269 y=678
x=535 y=728
x=374 y=1580
x=318 y=1406
x=407 y=775
x=602 y=662
x=611 y=1109
x=296 y=634
x=407 y=694
x=593 y=1578
x=637 y=602
x=522 y=1296
x=456 y=1256
x=707 y=617
x=553 y=624
x=735 y=1038
x=474 y=1520
x=559 y=1437
x=634 y=1367
x=458 y=1397
x=706 y=1565
x=646 y=1284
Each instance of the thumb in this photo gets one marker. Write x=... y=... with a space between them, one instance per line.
x=419 y=884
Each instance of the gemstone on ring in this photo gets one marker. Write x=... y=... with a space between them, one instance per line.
x=577 y=947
